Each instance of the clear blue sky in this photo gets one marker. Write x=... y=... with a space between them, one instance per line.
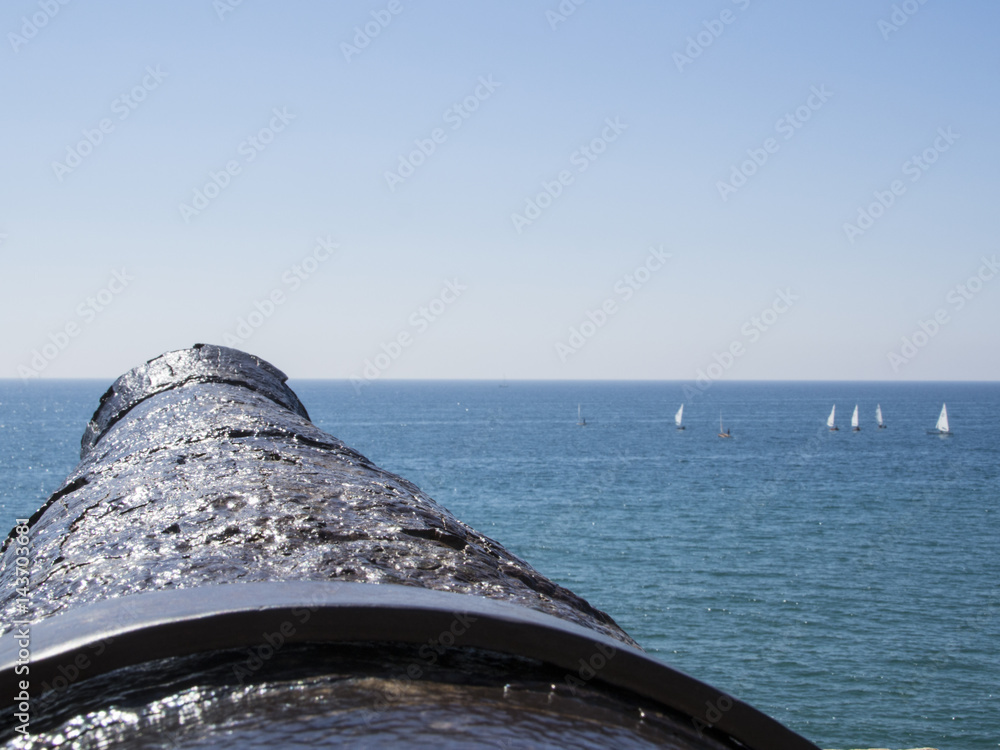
x=885 y=95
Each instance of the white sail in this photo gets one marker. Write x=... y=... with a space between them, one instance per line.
x=830 y=422
x=854 y=417
x=680 y=413
x=942 y=423
x=878 y=414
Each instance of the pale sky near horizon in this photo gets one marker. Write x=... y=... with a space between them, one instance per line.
x=806 y=185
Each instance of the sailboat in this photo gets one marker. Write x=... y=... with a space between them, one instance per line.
x=878 y=416
x=677 y=417
x=941 y=428
x=855 y=424
x=722 y=434
x=580 y=421
x=830 y=420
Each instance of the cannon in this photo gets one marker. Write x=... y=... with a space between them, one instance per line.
x=217 y=571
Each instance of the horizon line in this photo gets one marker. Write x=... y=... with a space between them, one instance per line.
x=544 y=380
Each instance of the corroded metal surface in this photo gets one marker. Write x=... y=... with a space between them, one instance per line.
x=202 y=467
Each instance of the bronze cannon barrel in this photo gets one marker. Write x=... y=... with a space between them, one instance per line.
x=217 y=570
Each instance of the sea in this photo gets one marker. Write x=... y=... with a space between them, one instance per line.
x=846 y=583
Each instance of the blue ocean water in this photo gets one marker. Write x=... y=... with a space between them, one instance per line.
x=845 y=583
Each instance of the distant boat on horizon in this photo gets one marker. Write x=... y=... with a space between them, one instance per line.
x=942 y=427
x=580 y=421
x=503 y=383
x=722 y=434
x=678 y=416
x=855 y=423
x=831 y=420
x=878 y=416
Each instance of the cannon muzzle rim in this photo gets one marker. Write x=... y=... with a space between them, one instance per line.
x=162 y=624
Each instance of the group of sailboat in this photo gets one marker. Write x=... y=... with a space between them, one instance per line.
x=831 y=421
x=942 y=427
x=679 y=417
